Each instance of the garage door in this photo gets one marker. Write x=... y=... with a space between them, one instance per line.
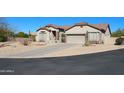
x=76 y=38
x=94 y=37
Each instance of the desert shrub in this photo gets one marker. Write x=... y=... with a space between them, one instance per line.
x=25 y=41
x=119 y=41
x=3 y=38
x=118 y=33
x=87 y=43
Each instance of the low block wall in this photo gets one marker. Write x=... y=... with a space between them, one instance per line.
x=110 y=41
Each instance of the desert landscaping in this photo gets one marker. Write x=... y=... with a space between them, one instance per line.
x=54 y=40
x=60 y=49
x=79 y=50
x=12 y=49
x=93 y=48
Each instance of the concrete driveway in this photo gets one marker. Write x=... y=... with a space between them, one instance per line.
x=105 y=63
x=42 y=51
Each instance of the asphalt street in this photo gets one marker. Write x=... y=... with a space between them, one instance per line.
x=105 y=63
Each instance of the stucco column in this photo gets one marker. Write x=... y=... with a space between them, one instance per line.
x=56 y=36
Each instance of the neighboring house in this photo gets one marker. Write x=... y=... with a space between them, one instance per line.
x=93 y=33
x=78 y=33
x=51 y=33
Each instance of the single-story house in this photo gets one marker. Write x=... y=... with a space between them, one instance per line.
x=51 y=33
x=83 y=32
x=79 y=33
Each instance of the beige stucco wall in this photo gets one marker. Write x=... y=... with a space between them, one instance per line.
x=91 y=29
x=50 y=38
x=81 y=30
x=60 y=36
x=39 y=35
x=107 y=37
x=110 y=41
x=76 y=30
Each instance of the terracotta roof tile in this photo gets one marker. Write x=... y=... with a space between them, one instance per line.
x=51 y=25
x=64 y=27
x=42 y=28
x=82 y=23
x=57 y=27
x=101 y=27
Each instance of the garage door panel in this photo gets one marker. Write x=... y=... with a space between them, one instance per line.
x=75 y=39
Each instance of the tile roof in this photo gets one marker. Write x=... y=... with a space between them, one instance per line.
x=64 y=27
x=101 y=27
x=58 y=27
x=81 y=23
x=42 y=28
x=51 y=25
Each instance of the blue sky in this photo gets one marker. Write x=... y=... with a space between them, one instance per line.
x=33 y=23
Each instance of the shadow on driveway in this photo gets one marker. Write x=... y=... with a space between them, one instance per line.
x=105 y=63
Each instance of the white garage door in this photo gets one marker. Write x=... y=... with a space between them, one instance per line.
x=75 y=38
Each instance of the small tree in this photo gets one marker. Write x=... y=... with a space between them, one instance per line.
x=22 y=35
x=5 y=32
x=118 y=33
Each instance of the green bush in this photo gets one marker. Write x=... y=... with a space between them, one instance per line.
x=118 y=33
x=22 y=35
x=3 y=38
x=119 y=41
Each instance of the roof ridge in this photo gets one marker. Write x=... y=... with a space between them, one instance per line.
x=100 y=26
